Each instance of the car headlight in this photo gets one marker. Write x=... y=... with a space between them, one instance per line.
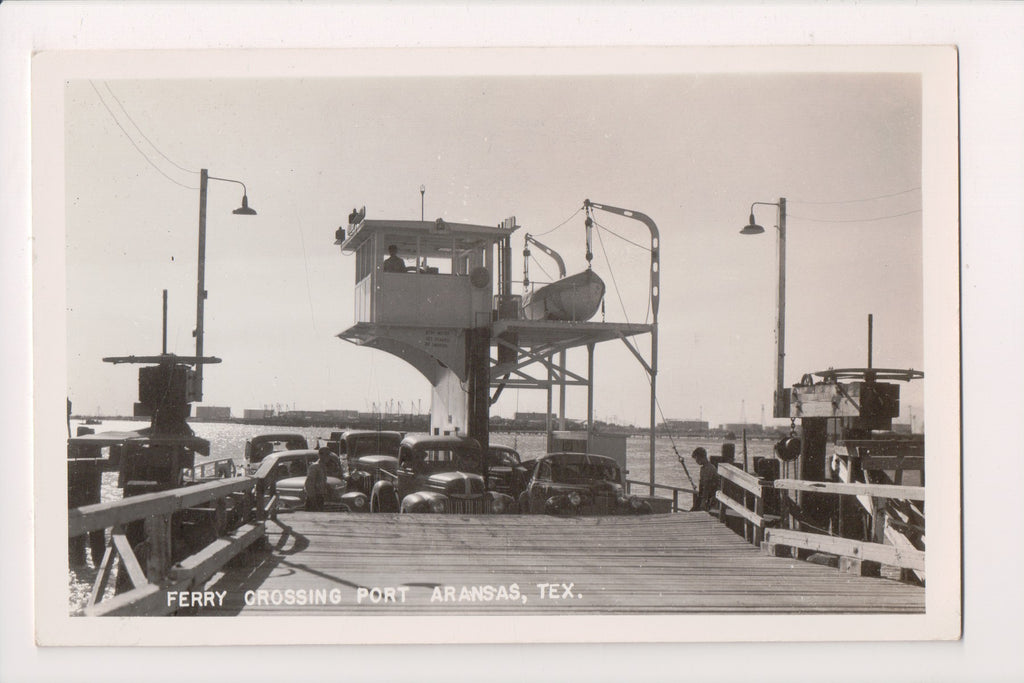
x=498 y=505
x=436 y=505
x=634 y=502
x=574 y=498
x=359 y=502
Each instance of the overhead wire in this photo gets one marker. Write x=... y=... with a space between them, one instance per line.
x=143 y=134
x=134 y=144
x=854 y=201
x=854 y=220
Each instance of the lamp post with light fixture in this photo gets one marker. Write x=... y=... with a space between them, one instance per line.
x=243 y=210
x=781 y=408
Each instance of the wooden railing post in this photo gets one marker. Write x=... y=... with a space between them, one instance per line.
x=158 y=535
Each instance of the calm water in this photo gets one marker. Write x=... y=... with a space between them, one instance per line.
x=227 y=440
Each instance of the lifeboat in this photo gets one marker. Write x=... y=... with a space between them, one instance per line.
x=575 y=298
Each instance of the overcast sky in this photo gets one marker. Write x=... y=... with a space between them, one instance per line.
x=691 y=150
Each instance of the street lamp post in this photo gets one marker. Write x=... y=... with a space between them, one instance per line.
x=243 y=210
x=781 y=404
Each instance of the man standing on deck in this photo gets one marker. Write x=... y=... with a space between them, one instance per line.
x=317 y=491
x=708 y=481
x=394 y=263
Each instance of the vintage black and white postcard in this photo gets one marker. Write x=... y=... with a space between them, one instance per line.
x=496 y=345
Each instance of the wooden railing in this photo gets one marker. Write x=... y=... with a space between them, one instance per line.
x=156 y=519
x=864 y=557
x=748 y=503
x=674 y=489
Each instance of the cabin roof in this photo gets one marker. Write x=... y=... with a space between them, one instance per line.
x=433 y=237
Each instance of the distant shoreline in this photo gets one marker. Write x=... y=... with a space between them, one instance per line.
x=420 y=423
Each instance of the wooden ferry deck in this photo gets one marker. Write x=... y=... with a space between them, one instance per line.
x=672 y=563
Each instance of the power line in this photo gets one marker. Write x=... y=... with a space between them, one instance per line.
x=855 y=220
x=865 y=199
x=144 y=136
x=144 y=155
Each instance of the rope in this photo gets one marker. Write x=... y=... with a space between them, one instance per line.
x=615 y=234
x=548 y=232
x=612 y=273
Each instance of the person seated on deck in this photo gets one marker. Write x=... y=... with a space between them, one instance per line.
x=394 y=263
x=317 y=490
x=708 y=481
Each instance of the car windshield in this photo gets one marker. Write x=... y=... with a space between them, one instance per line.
x=501 y=457
x=281 y=468
x=443 y=459
x=372 y=444
x=570 y=472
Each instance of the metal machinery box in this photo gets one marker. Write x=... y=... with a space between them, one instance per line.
x=853 y=399
x=167 y=385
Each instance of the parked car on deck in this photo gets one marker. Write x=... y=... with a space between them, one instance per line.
x=505 y=471
x=284 y=473
x=440 y=474
x=260 y=446
x=578 y=484
x=370 y=456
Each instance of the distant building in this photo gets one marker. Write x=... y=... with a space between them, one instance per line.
x=213 y=413
x=257 y=413
x=533 y=420
x=342 y=415
x=680 y=426
x=737 y=428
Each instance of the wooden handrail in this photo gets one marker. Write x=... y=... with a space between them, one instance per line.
x=908 y=558
x=749 y=505
x=104 y=515
x=744 y=480
x=874 y=490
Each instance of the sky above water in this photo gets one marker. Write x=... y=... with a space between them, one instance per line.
x=691 y=148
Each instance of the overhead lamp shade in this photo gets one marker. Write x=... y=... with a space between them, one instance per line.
x=752 y=228
x=244 y=209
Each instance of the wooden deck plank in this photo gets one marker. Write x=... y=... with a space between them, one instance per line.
x=673 y=563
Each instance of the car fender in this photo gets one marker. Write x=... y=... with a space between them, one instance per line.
x=506 y=503
x=424 y=501
x=383 y=497
x=355 y=501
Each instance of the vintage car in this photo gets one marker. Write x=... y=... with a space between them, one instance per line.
x=284 y=473
x=578 y=484
x=369 y=454
x=262 y=445
x=505 y=471
x=441 y=474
